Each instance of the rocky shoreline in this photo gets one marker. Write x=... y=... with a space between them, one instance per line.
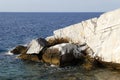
x=60 y=54
x=91 y=43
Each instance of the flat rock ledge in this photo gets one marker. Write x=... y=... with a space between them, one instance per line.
x=92 y=42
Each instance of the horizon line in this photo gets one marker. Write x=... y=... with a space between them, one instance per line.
x=46 y=12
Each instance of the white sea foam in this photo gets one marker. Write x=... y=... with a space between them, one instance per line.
x=52 y=65
x=9 y=53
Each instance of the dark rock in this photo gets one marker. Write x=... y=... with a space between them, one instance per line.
x=32 y=52
x=67 y=59
x=63 y=54
x=18 y=50
x=52 y=56
x=21 y=50
x=32 y=57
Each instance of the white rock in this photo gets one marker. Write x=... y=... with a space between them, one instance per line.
x=68 y=48
x=108 y=37
x=78 y=33
x=101 y=34
x=36 y=46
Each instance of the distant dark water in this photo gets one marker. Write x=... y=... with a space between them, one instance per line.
x=20 y=28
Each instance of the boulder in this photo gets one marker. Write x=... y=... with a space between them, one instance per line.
x=21 y=50
x=63 y=54
x=32 y=57
x=101 y=34
x=36 y=46
x=18 y=50
x=51 y=56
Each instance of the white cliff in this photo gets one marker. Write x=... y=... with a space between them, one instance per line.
x=101 y=34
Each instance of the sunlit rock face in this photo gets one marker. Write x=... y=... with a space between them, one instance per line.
x=101 y=34
x=36 y=46
x=77 y=33
x=107 y=37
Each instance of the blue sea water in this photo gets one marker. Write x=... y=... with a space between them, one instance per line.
x=21 y=28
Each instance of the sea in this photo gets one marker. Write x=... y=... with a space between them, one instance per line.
x=21 y=28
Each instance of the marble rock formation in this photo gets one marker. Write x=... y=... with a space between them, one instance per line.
x=101 y=34
x=36 y=46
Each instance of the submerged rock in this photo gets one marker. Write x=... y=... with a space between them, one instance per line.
x=63 y=54
x=36 y=46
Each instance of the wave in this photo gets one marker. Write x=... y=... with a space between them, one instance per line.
x=8 y=53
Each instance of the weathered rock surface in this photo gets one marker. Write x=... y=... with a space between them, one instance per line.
x=36 y=46
x=101 y=34
x=63 y=54
x=21 y=50
x=31 y=57
x=53 y=41
x=18 y=49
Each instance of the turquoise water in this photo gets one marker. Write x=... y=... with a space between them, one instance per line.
x=21 y=28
